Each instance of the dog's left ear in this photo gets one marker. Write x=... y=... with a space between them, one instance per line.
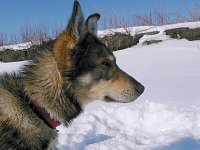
x=69 y=37
x=91 y=23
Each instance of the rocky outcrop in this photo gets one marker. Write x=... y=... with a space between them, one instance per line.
x=9 y=55
x=115 y=41
x=184 y=33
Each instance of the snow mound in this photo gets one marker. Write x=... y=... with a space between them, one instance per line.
x=140 y=126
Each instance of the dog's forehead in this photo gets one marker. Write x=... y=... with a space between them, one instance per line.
x=106 y=53
x=108 y=56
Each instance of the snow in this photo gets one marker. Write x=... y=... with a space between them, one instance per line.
x=16 y=46
x=11 y=66
x=166 y=69
x=138 y=126
x=165 y=117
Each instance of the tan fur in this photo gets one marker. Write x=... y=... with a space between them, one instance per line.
x=11 y=108
x=62 y=48
x=122 y=88
x=52 y=80
x=26 y=121
x=86 y=79
x=118 y=86
x=121 y=82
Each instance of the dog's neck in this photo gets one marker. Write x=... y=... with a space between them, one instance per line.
x=44 y=84
x=44 y=115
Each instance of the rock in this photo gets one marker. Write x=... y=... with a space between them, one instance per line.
x=152 y=33
x=184 y=33
x=152 y=42
x=118 y=41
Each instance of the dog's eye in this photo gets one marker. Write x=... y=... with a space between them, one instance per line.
x=107 y=63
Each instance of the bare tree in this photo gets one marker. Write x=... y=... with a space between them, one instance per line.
x=26 y=33
x=194 y=12
x=14 y=39
x=56 y=29
x=3 y=39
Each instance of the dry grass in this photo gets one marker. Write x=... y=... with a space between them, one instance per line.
x=33 y=34
x=3 y=39
x=155 y=17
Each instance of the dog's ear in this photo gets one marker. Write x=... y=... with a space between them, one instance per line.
x=69 y=37
x=76 y=23
x=91 y=23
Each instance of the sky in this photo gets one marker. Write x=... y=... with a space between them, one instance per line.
x=17 y=13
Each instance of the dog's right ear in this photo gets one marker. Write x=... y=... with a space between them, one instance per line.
x=91 y=23
x=76 y=23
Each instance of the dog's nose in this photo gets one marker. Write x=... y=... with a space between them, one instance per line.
x=140 y=88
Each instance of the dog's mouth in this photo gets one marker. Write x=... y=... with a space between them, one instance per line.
x=109 y=99
x=128 y=100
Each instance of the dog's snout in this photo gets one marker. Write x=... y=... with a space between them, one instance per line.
x=140 y=88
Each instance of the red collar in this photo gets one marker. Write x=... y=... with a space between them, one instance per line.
x=45 y=116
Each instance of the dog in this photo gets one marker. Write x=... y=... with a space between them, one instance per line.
x=54 y=87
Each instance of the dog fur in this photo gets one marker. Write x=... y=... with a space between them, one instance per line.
x=78 y=70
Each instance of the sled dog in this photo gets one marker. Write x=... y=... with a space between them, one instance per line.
x=54 y=87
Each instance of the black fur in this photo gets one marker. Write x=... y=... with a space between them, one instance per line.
x=90 y=55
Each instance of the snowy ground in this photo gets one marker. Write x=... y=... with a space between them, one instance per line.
x=16 y=46
x=165 y=117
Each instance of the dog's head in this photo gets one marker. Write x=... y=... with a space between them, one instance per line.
x=93 y=73
x=96 y=75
